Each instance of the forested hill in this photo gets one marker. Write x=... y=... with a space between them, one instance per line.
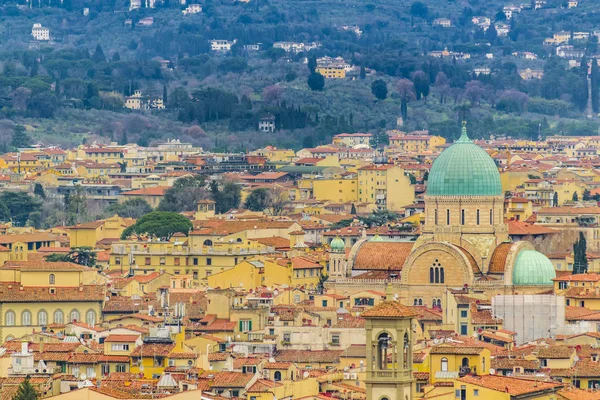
x=427 y=63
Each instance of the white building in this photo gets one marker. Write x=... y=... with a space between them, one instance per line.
x=192 y=9
x=573 y=3
x=531 y=316
x=510 y=10
x=40 y=33
x=295 y=47
x=482 y=22
x=267 y=124
x=222 y=45
x=443 y=22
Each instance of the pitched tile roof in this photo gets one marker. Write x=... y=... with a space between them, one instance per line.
x=121 y=338
x=14 y=293
x=154 y=349
x=382 y=255
x=555 y=352
x=389 y=309
x=512 y=386
x=307 y=356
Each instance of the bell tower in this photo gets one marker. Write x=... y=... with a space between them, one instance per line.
x=389 y=350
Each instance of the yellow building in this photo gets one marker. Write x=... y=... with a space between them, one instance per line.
x=385 y=185
x=190 y=257
x=519 y=209
x=101 y=154
x=339 y=190
x=332 y=71
x=158 y=350
x=35 y=294
x=90 y=233
x=450 y=360
x=416 y=143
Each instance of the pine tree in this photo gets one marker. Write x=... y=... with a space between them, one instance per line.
x=26 y=391
x=353 y=210
x=580 y=262
x=587 y=195
x=555 y=200
x=38 y=190
x=575 y=196
x=165 y=95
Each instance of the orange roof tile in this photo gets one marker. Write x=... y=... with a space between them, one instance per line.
x=389 y=309
x=382 y=255
x=512 y=386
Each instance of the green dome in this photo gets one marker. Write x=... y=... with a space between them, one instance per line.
x=464 y=169
x=376 y=238
x=337 y=244
x=532 y=268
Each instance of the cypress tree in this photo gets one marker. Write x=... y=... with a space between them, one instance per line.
x=26 y=391
x=580 y=261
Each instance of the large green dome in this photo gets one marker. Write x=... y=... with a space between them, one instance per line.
x=532 y=268
x=464 y=169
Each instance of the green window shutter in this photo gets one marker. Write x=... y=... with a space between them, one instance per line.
x=241 y=326
x=249 y=325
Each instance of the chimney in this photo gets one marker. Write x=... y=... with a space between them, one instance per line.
x=24 y=347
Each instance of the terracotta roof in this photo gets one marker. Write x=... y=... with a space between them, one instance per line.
x=229 y=379
x=44 y=266
x=149 y=350
x=512 y=386
x=520 y=228
x=307 y=356
x=14 y=293
x=305 y=263
x=29 y=237
x=355 y=351
x=149 y=191
x=382 y=255
x=506 y=363
x=277 y=365
x=568 y=210
x=587 y=277
x=571 y=393
x=121 y=338
x=455 y=349
x=555 y=352
x=389 y=309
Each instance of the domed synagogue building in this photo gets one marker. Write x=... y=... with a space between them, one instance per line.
x=464 y=239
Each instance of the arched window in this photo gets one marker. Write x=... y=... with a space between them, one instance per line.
x=208 y=242
x=74 y=316
x=405 y=351
x=90 y=317
x=431 y=276
x=437 y=275
x=59 y=317
x=277 y=376
x=433 y=303
x=439 y=303
x=52 y=279
x=462 y=217
x=383 y=346
x=26 y=318
x=447 y=217
x=442 y=275
x=42 y=318
x=420 y=302
x=239 y=240
x=477 y=216
x=444 y=364
x=9 y=318
x=415 y=302
x=491 y=216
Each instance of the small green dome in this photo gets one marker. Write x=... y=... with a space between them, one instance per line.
x=337 y=244
x=376 y=238
x=532 y=268
x=464 y=169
